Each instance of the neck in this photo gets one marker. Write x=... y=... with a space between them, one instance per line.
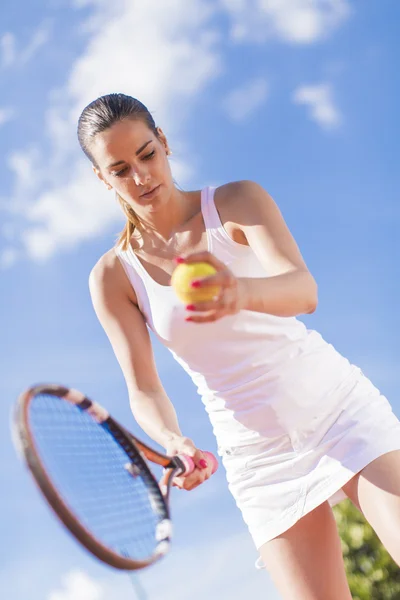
x=161 y=224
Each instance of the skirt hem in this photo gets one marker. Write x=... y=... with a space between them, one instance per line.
x=327 y=491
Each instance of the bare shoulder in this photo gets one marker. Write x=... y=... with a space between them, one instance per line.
x=239 y=204
x=108 y=278
x=238 y=194
x=241 y=187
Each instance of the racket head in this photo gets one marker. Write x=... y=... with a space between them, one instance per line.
x=58 y=429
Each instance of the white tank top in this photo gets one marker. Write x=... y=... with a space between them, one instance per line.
x=259 y=375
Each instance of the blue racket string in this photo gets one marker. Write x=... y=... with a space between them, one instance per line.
x=89 y=470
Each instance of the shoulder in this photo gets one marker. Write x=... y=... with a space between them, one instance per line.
x=241 y=188
x=104 y=269
x=241 y=201
x=238 y=194
x=108 y=277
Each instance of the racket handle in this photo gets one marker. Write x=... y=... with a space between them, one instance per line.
x=189 y=464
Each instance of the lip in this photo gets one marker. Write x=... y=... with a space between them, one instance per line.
x=151 y=193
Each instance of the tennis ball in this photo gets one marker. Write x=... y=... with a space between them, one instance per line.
x=183 y=276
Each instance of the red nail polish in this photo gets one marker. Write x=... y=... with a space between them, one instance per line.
x=188 y=319
x=190 y=307
x=203 y=463
x=179 y=260
x=196 y=283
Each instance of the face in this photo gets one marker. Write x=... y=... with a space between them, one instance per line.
x=133 y=161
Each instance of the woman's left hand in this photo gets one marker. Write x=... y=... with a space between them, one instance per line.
x=233 y=292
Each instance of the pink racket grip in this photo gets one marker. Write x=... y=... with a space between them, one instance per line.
x=189 y=464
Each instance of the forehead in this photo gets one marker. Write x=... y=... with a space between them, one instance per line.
x=120 y=141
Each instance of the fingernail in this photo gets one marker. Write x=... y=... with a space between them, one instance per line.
x=190 y=307
x=203 y=463
x=179 y=260
x=196 y=283
x=188 y=319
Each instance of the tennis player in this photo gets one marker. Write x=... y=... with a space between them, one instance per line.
x=298 y=426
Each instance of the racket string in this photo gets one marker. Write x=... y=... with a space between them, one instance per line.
x=88 y=468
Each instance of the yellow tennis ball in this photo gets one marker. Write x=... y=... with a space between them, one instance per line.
x=183 y=276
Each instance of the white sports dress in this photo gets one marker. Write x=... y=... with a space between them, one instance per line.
x=294 y=420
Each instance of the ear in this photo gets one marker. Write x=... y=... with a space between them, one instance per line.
x=98 y=174
x=163 y=140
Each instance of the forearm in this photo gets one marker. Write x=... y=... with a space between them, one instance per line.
x=286 y=295
x=155 y=414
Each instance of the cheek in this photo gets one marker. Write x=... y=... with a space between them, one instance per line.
x=164 y=169
x=159 y=162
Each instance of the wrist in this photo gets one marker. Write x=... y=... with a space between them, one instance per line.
x=170 y=437
x=243 y=293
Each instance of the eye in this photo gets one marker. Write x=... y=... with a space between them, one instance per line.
x=149 y=156
x=121 y=172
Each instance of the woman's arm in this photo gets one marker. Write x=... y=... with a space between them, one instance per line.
x=287 y=295
x=114 y=304
x=116 y=307
x=289 y=290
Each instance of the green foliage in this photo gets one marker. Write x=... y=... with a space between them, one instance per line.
x=371 y=572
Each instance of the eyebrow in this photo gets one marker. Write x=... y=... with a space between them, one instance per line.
x=120 y=162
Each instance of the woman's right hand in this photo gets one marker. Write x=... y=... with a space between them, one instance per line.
x=203 y=466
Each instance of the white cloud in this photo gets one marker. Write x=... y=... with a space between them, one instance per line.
x=7 y=47
x=55 y=189
x=11 y=56
x=77 y=585
x=319 y=100
x=293 y=21
x=24 y=165
x=8 y=258
x=65 y=216
x=180 y=61
x=39 y=38
x=243 y=101
x=6 y=114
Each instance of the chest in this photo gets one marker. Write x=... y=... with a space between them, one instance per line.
x=159 y=259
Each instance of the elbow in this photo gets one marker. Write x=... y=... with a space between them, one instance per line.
x=312 y=307
x=312 y=297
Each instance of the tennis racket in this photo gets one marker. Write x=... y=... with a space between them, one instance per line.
x=96 y=477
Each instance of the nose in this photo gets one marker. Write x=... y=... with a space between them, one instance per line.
x=140 y=177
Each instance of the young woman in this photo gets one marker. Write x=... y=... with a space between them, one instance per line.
x=296 y=424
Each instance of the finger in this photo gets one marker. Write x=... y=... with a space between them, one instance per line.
x=198 y=477
x=223 y=279
x=210 y=317
x=195 y=479
x=207 y=312
x=200 y=460
x=225 y=303
x=201 y=306
x=193 y=486
x=178 y=482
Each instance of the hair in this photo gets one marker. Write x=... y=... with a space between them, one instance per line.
x=100 y=115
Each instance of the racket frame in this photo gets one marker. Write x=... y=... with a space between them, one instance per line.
x=25 y=442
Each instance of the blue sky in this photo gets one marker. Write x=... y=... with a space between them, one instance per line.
x=299 y=96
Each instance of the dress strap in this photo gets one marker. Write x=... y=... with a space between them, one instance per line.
x=218 y=240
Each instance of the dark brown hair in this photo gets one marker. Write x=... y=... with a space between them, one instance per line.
x=100 y=115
